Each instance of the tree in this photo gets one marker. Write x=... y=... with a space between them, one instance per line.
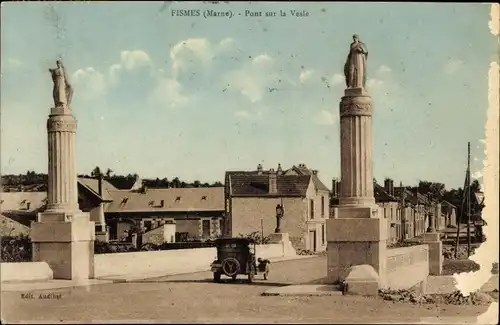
x=436 y=190
x=176 y=182
x=96 y=172
x=196 y=184
x=108 y=173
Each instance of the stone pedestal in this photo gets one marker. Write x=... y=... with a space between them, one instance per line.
x=356 y=237
x=63 y=236
x=433 y=240
x=284 y=239
x=66 y=242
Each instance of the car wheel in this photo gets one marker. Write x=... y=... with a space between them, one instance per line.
x=231 y=266
x=217 y=277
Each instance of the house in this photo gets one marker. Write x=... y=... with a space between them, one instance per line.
x=10 y=227
x=198 y=213
x=23 y=207
x=449 y=212
x=404 y=210
x=251 y=199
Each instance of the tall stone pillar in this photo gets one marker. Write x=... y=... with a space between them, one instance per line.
x=63 y=236
x=357 y=235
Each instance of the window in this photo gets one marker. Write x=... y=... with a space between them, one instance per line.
x=322 y=206
x=311 y=208
x=148 y=225
x=206 y=228
x=323 y=233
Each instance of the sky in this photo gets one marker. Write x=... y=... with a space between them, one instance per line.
x=164 y=95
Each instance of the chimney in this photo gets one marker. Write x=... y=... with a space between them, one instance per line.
x=273 y=186
x=99 y=185
x=280 y=170
x=259 y=169
x=389 y=186
x=335 y=187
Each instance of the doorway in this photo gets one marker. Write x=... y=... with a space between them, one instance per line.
x=312 y=239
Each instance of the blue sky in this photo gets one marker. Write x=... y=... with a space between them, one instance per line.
x=166 y=96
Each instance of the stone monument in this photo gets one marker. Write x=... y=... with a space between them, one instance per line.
x=63 y=236
x=433 y=239
x=357 y=234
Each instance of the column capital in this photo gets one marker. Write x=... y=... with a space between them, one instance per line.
x=356 y=106
x=64 y=123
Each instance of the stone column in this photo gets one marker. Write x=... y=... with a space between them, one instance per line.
x=357 y=235
x=356 y=147
x=63 y=236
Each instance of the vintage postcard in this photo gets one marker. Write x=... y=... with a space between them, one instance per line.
x=249 y=162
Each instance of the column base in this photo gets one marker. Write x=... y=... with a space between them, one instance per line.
x=356 y=238
x=357 y=201
x=433 y=240
x=283 y=238
x=66 y=242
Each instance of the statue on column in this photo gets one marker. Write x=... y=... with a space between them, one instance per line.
x=355 y=65
x=62 y=91
x=279 y=214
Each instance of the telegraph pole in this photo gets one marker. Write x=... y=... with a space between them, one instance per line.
x=468 y=200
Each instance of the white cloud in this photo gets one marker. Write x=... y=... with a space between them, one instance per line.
x=452 y=66
x=14 y=63
x=189 y=51
x=483 y=141
x=226 y=43
x=242 y=114
x=254 y=79
x=324 y=117
x=169 y=92
x=305 y=75
x=263 y=61
x=129 y=60
x=374 y=83
x=478 y=174
x=90 y=82
x=384 y=69
x=337 y=79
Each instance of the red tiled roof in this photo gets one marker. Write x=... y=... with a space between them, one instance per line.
x=252 y=184
x=174 y=200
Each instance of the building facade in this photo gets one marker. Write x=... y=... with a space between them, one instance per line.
x=197 y=213
x=252 y=198
x=183 y=213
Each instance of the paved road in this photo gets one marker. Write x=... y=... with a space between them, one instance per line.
x=195 y=298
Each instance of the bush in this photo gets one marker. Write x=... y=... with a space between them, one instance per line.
x=257 y=237
x=16 y=249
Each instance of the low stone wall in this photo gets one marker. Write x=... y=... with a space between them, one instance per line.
x=407 y=267
x=168 y=262
x=25 y=271
x=150 y=263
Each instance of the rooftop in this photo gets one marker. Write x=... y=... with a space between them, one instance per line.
x=167 y=200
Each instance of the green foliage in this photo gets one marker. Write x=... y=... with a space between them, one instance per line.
x=257 y=237
x=119 y=181
x=16 y=249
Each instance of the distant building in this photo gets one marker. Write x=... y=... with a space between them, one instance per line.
x=252 y=197
x=197 y=213
x=405 y=211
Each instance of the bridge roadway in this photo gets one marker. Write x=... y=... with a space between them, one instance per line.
x=195 y=298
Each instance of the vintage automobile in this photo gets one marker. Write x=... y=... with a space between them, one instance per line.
x=236 y=256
